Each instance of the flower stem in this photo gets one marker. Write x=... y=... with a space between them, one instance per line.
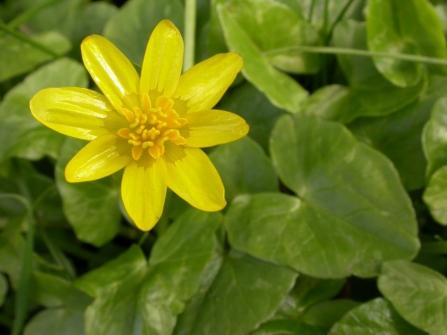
x=190 y=33
x=358 y=52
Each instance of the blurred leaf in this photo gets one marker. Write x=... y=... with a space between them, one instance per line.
x=398 y=135
x=326 y=313
x=3 y=288
x=244 y=168
x=360 y=213
x=287 y=327
x=19 y=57
x=254 y=107
x=60 y=321
x=410 y=27
x=23 y=179
x=132 y=297
x=369 y=93
x=90 y=207
x=374 y=317
x=435 y=195
x=131 y=27
x=65 y=17
x=308 y=291
x=434 y=140
x=20 y=134
x=418 y=294
x=280 y=89
x=66 y=317
x=244 y=293
x=323 y=14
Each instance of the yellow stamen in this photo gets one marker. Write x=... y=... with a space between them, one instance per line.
x=151 y=126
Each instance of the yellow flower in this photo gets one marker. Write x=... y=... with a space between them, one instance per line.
x=153 y=126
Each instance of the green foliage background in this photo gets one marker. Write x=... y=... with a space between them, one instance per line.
x=337 y=199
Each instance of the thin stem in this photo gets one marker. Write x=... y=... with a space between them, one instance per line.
x=21 y=301
x=190 y=33
x=28 y=40
x=22 y=18
x=357 y=52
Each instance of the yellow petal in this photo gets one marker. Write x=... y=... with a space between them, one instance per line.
x=213 y=127
x=194 y=178
x=101 y=157
x=143 y=191
x=163 y=60
x=76 y=112
x=205 y=83
x=112 y=71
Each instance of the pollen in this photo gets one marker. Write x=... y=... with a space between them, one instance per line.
x=151 y=126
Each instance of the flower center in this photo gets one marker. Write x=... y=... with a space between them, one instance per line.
x=150 y=127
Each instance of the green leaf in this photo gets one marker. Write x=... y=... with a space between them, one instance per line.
x=308 y=291
x=287 y=327
x=131 y=27
x=418 y=293
x=18 y=57
x=280 y=89
x=90 y=207
x=132 y=297
x=56 y=321
x=66 y=317
x=3 y=288
x=244 y=293
x=353 y=213
x=369 y=93
x=244 y=168
x=374 y=317
x=20 y=134
x=410 y=27
x=23 y=179
x=325 y=314
x=433 y=141
x=398 y=135
x=353 y=188
x=254 y=107
x=272 y=25
x=435 y=195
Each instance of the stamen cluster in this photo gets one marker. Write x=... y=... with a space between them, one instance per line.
x=150 y=127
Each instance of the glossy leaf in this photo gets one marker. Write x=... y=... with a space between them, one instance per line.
x=398 y=135
x=280 y=89
x=328 y=169
x=19 y=57
x=56 y=321
x=244 y=168
x=254 y=107
x=374 y=317
x=434 y=139
x=131 y=27
x=410 y=27
x=435 y=195
x=90 y=207
x=244 y=293
x=418 y=294
x=134 y=297
x=20 y=134
x=360 y=213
